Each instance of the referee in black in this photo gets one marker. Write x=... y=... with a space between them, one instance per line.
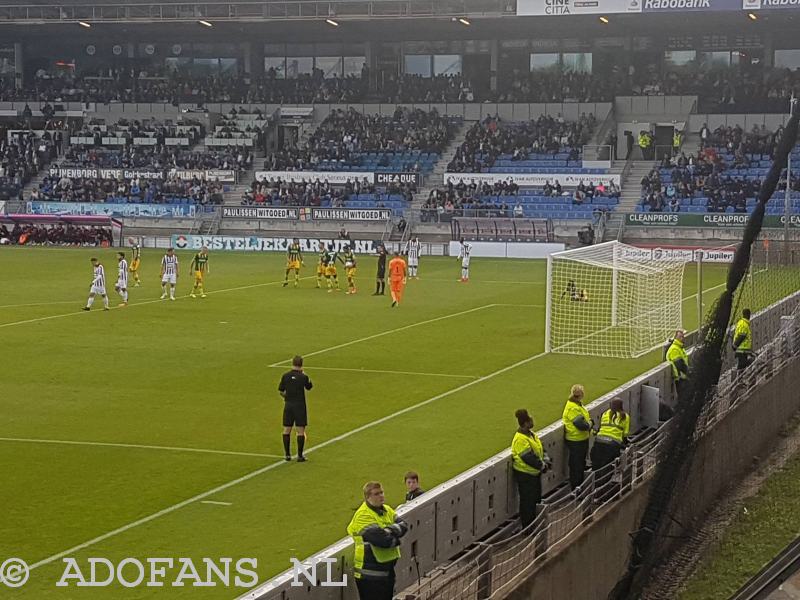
x=293 y=388
x=380 y=278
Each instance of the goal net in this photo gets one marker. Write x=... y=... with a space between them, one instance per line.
x=612 y=300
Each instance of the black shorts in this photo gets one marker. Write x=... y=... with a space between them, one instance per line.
x=295 y=414
x=381 y=273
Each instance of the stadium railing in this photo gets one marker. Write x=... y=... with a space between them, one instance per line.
x=461 y=512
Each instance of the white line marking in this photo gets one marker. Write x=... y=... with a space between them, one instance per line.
x=135 y=446
x=37 y=304
x=216 y=502
x=282 y=363
x=353 y=370
x=492 y=281
x=523 y=305
x=261 y=471
x=251 y=475
x=80 y=312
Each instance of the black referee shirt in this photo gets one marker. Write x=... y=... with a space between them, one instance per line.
x=295 y=383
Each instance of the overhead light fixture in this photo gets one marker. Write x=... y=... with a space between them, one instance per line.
x=604 y=20
x=332 y=23
x=464 y=21
x=205 y=23
x=85 y=24
x=752 y=16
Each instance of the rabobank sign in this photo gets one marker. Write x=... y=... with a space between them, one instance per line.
x=690 y=5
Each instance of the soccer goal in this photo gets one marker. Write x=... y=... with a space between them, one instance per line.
x=612 y=300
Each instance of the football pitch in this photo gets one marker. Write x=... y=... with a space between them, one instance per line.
x=153 y=430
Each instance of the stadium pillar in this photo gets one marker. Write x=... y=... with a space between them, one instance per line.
x=19 y=70
x=371 y=58
x=494 y=60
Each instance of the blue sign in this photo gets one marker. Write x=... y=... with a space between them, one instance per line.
x=112 y=210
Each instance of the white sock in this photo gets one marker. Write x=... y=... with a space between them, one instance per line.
x=164 y=289
x=90 y=301
x=172 y=292
x=105 y=301
x=125 y=296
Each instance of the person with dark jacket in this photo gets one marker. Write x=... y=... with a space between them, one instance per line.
x=412 y=486
x=528 y=461
x=376 y=531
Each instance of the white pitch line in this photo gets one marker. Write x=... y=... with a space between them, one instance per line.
x=354 y=370
x=252 y=474
x=262 y=470
x=37 y=304
x=522 y=305
x=283 y=363
x=493 y=281
x=135 y=446
x=80 y=312
x=216 y=502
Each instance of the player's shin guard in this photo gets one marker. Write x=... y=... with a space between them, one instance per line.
x=125 y=296
x=105 y=301
x=89 y=302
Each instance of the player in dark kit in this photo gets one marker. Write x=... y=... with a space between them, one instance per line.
x=293 y=388
x=380 y=278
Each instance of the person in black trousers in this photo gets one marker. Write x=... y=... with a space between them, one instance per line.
x=528 y=461
x=380 y=278
x=293 y=388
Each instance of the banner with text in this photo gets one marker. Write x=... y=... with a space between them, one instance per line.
x=704 y=220
x=678 y=253
x=112 y=210
x=681 y=6
x=414 y=179
x=98 y=173
x=259 y=244
x=223 y=175
x=349 y=214
x=531 y=179
x=769 y=4
x=332 y=177
x=539 y=8
x=259 y=212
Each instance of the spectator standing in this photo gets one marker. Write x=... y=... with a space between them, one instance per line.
x=412 y=486
x=743 y=341
x=528 y=461
x=577 y=430
x=376 y=531
x=679 y=361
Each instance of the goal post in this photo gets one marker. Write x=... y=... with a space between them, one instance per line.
x=612 y=300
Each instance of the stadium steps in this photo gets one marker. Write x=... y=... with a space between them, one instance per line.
x=233 y=195
x=37 y=179
x=436 y=178
x=631 y=185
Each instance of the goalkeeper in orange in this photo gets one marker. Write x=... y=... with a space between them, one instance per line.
x=397 y=277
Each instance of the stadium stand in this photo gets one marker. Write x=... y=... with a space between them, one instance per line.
x=22 y=155
x=724 y=177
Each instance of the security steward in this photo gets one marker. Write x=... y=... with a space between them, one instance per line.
x=677 y=140
x=743 y=341
x=376 y=531
x=577 y=430
x=679 y=360
x=615 y=426
x=528 y=461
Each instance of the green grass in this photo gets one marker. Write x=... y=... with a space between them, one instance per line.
x=196 y=374
x=754 y=538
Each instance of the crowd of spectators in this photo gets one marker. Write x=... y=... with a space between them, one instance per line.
x=150 y=191
x=55 y=235
x=487 y=140
x=760 y=88
x=347 y=134
x=276 y=192
x=158 y=157
x=21 y=157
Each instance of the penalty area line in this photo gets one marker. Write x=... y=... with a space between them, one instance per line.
x=135 y=446
x=248 y=476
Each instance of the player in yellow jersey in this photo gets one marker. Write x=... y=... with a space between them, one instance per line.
x=350 y=269
x=323 y=257
x=200 y=268
x=135 y=263
x=294 y=260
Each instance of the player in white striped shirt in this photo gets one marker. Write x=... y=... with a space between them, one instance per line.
x=122 y=278
x=169 y=273
x=98 y=285
x=463 y=254
x=413 y=250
